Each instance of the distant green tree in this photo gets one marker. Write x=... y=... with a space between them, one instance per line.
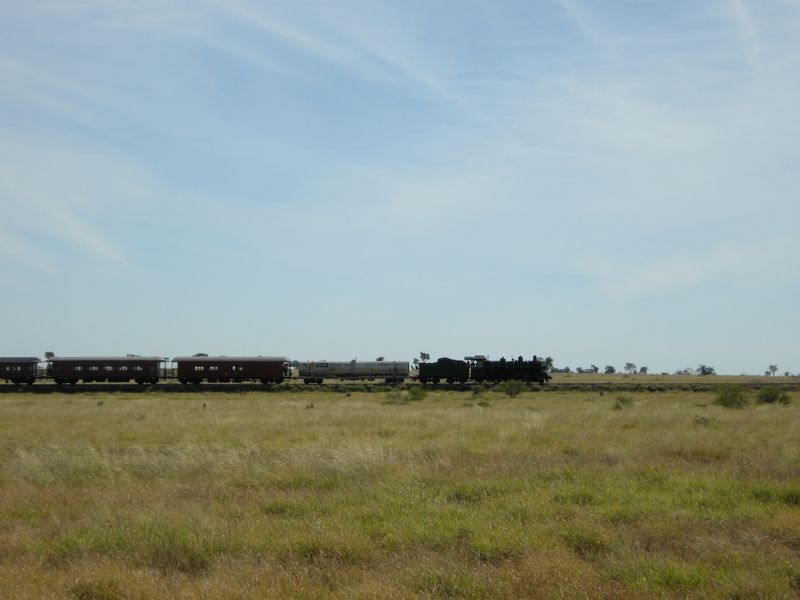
x=609 y=370
x=380 y=359
x=49 y=355
x=705 y=370
x=547 y=363
x=643 y=371
x=594 y=369
x=630 y=367
x=773 y=369
x=424 y=356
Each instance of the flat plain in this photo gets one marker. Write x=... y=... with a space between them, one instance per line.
x=364 y=493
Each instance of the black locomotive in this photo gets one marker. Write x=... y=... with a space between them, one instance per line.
x=479 y=368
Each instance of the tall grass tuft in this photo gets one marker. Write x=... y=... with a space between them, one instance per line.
x=450 y=582
x=96 y=589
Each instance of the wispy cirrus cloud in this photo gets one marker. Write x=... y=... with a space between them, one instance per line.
x=64 y=204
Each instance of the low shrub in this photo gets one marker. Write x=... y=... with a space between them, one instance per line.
x=417 y=393
x=773 y=395
x=622 y=401
x=396 y=397
x=512 y=389
x=731 y=396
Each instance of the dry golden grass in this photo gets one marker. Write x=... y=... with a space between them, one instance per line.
x=461 y=495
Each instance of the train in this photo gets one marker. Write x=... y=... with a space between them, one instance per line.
x=195 y=370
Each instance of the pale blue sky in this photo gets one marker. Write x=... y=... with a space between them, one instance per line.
x=601 y=182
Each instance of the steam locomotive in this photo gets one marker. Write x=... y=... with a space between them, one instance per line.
x=479 y=369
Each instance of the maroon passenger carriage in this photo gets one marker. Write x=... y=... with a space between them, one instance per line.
x=19 y=370
x=224 y=369
x=141 y=369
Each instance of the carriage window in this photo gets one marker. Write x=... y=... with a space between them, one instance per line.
x=123 y=368
x=137 y=368
x=108 y=368
x=93 y=368
x=213 y=368
x=77 y=368
x=199 y=368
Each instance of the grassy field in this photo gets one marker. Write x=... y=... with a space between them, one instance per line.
x=319 y=494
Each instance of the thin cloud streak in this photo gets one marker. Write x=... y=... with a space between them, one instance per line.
x=676 y=276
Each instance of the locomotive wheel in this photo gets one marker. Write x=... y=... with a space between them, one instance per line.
x=450 y=380
x=435 y=380
x=462 y=380
x=184 y=381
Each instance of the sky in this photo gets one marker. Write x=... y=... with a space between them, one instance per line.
x=600 y=182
